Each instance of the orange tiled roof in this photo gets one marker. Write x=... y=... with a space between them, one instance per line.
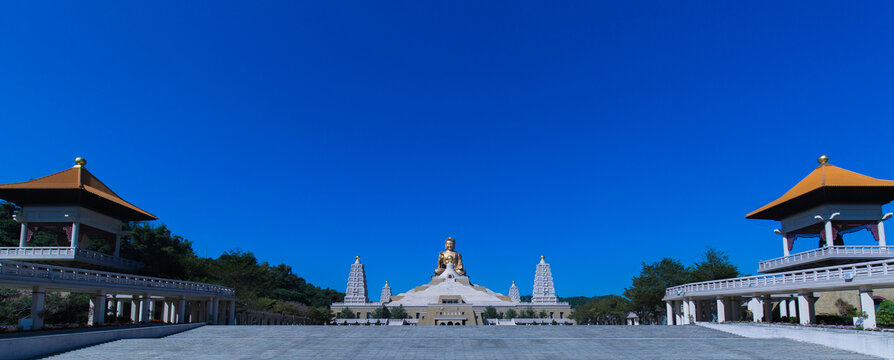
x=77 y=178
x=825 y=176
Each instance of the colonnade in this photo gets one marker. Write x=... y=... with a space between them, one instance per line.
x=145 y=308
x=800 y=305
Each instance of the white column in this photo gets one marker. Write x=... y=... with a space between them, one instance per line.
x=670 y=313
x=806 y=314
x=693 y=311
x=792 y=307
x=151 y=308
x=830 y=241
x=785 y=245
x=117 y=245
x=868 y=307
x=181 y=311
x=166 y=312
x=215 y=309
x=685 y=311
x=24 y=234
x=134 y=309
x=75 y=233
x=783 y=308
x=97 y=313
x=757 y=310
x=881 y=231
x=721 y=309
x=231 y=317
x=37 y=307
x=144 y=309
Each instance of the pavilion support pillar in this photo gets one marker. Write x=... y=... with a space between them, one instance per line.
x=867 y=305
x=117 y=245
x=767 y=303
x=830 y=240
x=181 y=311
x=152 y=304
x=670 y=312
x=783 y=308
x=144 y=308
x=38 y=295
x=721 y=309
x=685 y=305
x=785 y=245
x=881 y=230
x=97 y=313
x=806 y=311
x=231 y=316
x=24 y=234
x=75 y=234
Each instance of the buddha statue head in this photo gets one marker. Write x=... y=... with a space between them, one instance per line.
x=449 y=244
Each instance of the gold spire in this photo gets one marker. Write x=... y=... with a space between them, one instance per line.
x=357 y=257
x=513 y=282
x=823 y=159
x=79 y=161
x=542 y=257
x=386 y=282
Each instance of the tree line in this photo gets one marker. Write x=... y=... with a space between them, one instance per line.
x=259 y=285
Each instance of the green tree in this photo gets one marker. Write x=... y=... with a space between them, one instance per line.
x=381 y=313
x=319 y=315
x=511 y=314
x=346 y=313
x=714 y=265
x=649 y=287
x=490 y=312
x=399 y=312
x=542 y=314
x=885 y=313
x=528 y=313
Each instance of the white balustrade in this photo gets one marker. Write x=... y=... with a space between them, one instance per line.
x=826 y=252
x=68 y=253
x=23 y=270
x=883 y=270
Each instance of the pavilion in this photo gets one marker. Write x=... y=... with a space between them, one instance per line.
x=827 y=204
x=78 y=211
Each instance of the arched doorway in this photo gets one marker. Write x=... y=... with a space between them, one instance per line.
x=450 y=323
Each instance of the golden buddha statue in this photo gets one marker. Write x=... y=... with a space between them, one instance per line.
x=450 y=255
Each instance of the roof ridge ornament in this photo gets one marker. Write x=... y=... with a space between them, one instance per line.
x=823 y=159
x=80 y=162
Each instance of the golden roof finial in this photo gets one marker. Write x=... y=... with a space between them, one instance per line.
x=79 y=161
x=386 y=282
x=542 y=257
x=450 y=238
x=513 y=282
x=357 y=257
x=823 y=159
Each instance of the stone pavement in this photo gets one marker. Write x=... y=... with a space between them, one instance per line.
x=457 y=342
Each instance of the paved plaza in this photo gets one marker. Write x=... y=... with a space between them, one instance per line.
x=457 y=342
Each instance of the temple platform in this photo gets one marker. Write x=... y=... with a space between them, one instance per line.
x=461 y=342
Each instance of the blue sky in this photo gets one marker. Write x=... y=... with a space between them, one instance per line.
x=599 y=134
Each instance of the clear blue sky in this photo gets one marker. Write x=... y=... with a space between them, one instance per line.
x=598 y=134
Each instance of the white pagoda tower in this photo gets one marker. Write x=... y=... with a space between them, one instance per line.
x=386 y=294
x=356 y=291
x=544 y=292
x=513 y=293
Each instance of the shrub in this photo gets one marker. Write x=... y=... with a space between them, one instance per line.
x=829 y=319
x=885 y=313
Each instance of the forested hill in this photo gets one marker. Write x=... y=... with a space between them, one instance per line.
x=259 y=285
x=574 y=301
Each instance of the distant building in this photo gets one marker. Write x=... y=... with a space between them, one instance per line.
x=449 y=298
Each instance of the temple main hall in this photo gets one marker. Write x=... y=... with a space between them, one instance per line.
x=450 y=298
